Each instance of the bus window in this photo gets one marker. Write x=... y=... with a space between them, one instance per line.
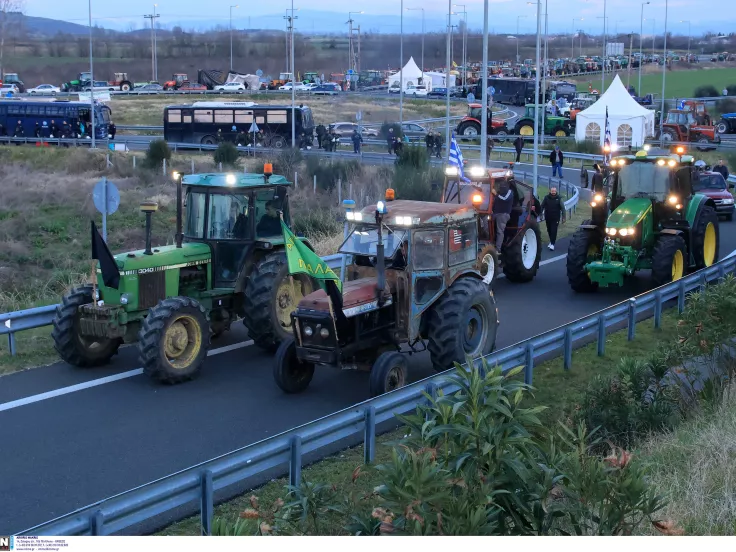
x=187 y=117
x=174 y=115
x=224 y=116
x=203 y=115
x=243 y=116
x=277 y=116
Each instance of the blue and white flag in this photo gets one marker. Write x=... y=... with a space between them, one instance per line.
x=607 y=139
x=456 y=158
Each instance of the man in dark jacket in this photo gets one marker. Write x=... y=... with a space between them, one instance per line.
x=429 y=141
x=357 y=141
x=597 y=183
x=321 y=131
x=54 y=129
x=438 y=144
x=553 y=210
x=556 y=158
x=518 y=146
x=390 y=140
x=503 y=201
x=721 y=168
x=112 y=130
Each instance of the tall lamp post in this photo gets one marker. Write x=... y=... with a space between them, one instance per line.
x=447 y=79
x=518 y=17
x=92 y=80
x=422 y=10
x=664 y=67
x=536 y=96
x=641 y=44
x=351 y=49
x=401 y=70
x=293 y=83
x=605 y=37
x=484 y=161
x=573 y=34
x=688 y=38
x=231 y=36
x=465 y=40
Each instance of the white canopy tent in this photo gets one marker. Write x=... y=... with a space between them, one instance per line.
x=629 y=122
x=410 y=75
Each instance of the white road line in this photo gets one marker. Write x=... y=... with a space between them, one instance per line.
x=102 y=381
x=542 y=263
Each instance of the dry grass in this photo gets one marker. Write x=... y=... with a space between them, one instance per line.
x=695 y=466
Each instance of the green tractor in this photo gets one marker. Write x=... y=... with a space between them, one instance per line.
x=656 y=222
x=228 y=262
x=553 y=125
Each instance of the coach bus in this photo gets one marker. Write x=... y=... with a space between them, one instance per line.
x=515 y=91
x=199 y=122
x=30 y=112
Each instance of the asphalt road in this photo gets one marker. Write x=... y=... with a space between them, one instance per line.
x=76 y=436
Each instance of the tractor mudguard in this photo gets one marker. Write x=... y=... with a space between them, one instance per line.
x=695 y=205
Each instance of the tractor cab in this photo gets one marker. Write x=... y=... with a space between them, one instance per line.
x=470 y=125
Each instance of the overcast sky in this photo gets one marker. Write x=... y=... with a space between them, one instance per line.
x=623 y=15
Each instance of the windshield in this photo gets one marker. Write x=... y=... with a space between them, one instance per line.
x=194 y=227
x=103 y=114
x=228 y=217
x=307 y=121
x=363 y=240
x=475 y=112
x=644 y=178
x=467 y=189
x=709 y=182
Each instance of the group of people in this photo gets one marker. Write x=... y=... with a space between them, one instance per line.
x=394 y=143
x=433 y=140
x=54 y=130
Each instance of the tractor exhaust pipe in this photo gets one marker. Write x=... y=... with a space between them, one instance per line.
x=179 y=207
x=148 y=207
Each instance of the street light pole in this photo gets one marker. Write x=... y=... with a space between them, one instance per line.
x=544 y=68
x=231 y=37
x=664 y=67
x=536 y=98
x=401 y=71
x=518 y=17
x=573 y=34
x=447 y=80
x=464 y=37
x=293 y=83
x=688 y=38
x=484 y=161
x=92 y=80
x=603 y=67
x=422 y=9
x=641 y=44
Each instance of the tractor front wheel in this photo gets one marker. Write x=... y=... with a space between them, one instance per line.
x=463 y=322
x=290 y=374
x=668 y=259
x=271 y=295
x=173 y=340
x=521 y=257
x=705 y=237
x=585 y=246
x=389 y=372
x=487 y=264
x=74 y=348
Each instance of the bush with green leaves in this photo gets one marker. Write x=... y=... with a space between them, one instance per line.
x=227 y=154
x=328 y=172
x=706 y=91
x=726 y=105
x=157 y=152
x=413 y=157
x=425 y=185
x=383 y=132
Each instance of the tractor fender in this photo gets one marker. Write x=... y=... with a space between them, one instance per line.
x=695 y=205
x=672 y=232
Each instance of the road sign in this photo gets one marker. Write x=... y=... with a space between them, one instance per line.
x=106 y=198
x=253 y=127
x=259 y=73
x=359 y=116
x=493 y=90
x=350 y=72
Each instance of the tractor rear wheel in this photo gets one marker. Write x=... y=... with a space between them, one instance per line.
x=462 y=323
x=73 y=348
x=724 y=127
x=290 y=374
x=173 y=340
x=668 y=259
x=524 y=128
x=522 y=256
x=389 y=372
x=585 y=246
x=487 y=264
x=125 y=86
x=705 y=237
x=271 y=295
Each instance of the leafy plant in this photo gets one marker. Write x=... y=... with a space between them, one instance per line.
x=706 y=91
x=157 y=152
x=386 y=126
x=227 y=154
x=413 y=157
x=329 y=173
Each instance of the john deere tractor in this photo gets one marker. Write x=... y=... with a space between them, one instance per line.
x=655 y=223
x=228 y=262
x=553 y=125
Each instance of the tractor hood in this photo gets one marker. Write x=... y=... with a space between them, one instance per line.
x=629 y=213
x=357 y=296
x=164 y=258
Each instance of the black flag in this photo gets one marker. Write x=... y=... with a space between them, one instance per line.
x=110 y=272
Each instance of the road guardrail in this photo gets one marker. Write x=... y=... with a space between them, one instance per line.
x=285 y=452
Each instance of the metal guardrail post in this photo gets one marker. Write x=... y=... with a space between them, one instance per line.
x=207 y=504
x=658 y=310
x=369 y=437
x=632 y=319
x=567 y=346
x=11 y=343
x=529 y=364
x=97 y=524
x=681 y=297
x=602 y=335
x=295 y=461
x=703 y=282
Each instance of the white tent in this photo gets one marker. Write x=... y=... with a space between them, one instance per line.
x=629 y=122
x=410 y=75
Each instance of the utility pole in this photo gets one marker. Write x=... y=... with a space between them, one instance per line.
x=664 y=67
x=92 y=81
x=290 y=37
x=484 y=161
x=352 y=62
x=357 y=60
x=447 y=80
x=293 y=83
x=153 y=16
x=641 y=44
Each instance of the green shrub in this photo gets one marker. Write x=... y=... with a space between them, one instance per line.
x=727 y=105
x=706 y=91
x=157 y=152
x=329 y=172
x=417 y=185
x=286 y=162
x=383 y=132
x=227 y=154
x=317 y=222
x=413 y=157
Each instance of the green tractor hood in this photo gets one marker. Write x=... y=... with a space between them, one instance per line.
x=629 y=213
x=164 y=258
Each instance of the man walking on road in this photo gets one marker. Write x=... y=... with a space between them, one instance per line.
x=518 y=146
x=357 y=141
x=553 y=210
x=556 y=158
x=721 y=168
x=502 y=204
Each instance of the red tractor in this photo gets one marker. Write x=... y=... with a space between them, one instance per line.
x=470 y=126
x=176 y=81
x=121 y=80
x=681 y=126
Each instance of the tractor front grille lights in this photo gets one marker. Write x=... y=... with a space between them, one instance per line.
x=318 y=330
x=623 y=232
x=353 y=216
x=597 y=200
x=406 y=220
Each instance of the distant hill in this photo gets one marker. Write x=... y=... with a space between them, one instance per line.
x=44 y=26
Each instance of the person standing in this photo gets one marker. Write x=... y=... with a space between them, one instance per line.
x=390 y=140
x=597 y=182
x=112 y=129
x=518 y=146
x=721 y=168
x=357 y=141
x=553 y=210
x=438 y=144
x=54 y=129
x=503 y=201
x=556 y=158
x=429 y=141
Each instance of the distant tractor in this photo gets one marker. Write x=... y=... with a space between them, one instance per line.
x=470 y=125
x=310 y=77
x=176 y=81
x=412 y=279
x=553 y=126
x=656 y=222
x=13 y=78
x=522 y=244
x=121 y=81
x=727 y=124
x=281 y=81
x=78 y=84
x=228 y=263
x=682 y=126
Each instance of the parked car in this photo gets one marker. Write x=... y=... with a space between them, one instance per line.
x=345 y=130
x=442 y=93
x=44 y=90
x=419 y=90
x=327 y=89
x=413 y=130
x=101 y=86
x=152 y=88
x=715 y=187
x=192 y=87
x=299 y=86
x=6 y=89
x=234 y=87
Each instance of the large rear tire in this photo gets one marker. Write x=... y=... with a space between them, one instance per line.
x=270 y=299
x=522 y=256
x=585 y=246
x=73 y=348
x=389 y=372
x=706 y=237
x=173 y=340
x=668 y=259
x=289 y=373
x=463 y=322
x=469 y=129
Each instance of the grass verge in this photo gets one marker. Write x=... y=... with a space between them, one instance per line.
x=555 y=387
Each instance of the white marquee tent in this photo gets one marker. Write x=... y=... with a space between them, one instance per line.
x=629 y=122
x=410 y=75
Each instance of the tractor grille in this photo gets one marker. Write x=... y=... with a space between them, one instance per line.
x=151 y=289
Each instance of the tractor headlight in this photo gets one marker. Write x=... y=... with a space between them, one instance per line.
x=672 y=199
x=308 y=331
x=626 y=232
x=477 y=171
x=324 y=333
x=124 y=298
x=403 y=221
x=598 y=198
x=451 y=171
x=351 y=215
x=611 y=231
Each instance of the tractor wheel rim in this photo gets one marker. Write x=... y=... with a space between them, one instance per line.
x=526 y=130
x=288 y=295
x=678 y=265
x=709 y=245
x=529 y=249
x=470 y=131
x=476 y=331
x=182 y=341
x=487 y=268
x=394 y=378
x=560 y=133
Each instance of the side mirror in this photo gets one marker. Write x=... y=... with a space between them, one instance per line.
x=279 y=194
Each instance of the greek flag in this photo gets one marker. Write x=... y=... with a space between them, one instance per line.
x=456 y=158
x=607 y=139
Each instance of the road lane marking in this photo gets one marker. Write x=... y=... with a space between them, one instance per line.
x=102 y=381
x=542 y=263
